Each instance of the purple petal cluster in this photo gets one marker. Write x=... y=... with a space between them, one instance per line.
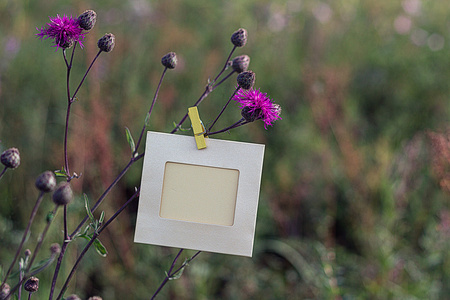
x=256 y=102
x=64 y=31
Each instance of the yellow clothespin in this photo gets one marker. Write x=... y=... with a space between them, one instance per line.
x=197 y=126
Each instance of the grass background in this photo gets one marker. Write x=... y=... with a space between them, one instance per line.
x=355 y=192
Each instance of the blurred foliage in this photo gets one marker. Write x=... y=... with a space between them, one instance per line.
x=356 y=181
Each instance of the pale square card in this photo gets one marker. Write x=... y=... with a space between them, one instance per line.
x=199 y=199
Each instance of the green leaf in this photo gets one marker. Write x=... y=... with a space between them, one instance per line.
x=181 y=128
x=102 y=217
x=101 y=250
x=130 y=140
x=61 y=173
x=88 y=210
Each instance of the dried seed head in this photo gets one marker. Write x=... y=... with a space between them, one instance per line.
x=55 y=248
x=63 y=194
x=169 y=60
x=106 y=43
x=46 y=182
x=10 y=158
x=250 y=114
x=5 y=291
x=32 y=284
x=87 y=19
x=240 y=63
x=239 y=37
x=246 y=80
x=73 y=297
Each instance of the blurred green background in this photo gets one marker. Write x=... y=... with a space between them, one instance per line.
x=355 y=192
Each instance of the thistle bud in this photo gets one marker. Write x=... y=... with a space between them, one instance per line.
x=5 y=290
x=27 y=252
x=246 y=80
x=66 y=43
x=46 y=182
x=240 y=63
x=239 y=37
x=32 y=284
x=250 y=114
x=55 y=249
x=87 y=19
x=10 y=158
x=95 y=298
x=106 y=43
x=63 y=194
x=169 y=60
x=73 y=297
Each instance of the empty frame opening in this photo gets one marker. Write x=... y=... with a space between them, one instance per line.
x=199 y=194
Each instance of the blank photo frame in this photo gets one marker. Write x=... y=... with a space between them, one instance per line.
x=199 y=199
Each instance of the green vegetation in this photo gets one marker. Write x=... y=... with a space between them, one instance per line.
x=355 y=193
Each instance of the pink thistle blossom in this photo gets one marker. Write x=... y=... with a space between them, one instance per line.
x=256 y=105
x=64 y=31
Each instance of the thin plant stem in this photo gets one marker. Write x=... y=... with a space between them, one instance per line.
x=223 y=109
x=66 y=130
x=150 y=111
x=25 y=234
x=85 y=75
x=225 y=78
x=19 y=293
x=235 y=125
x=36 y=250
x=29 y=296
x=106 y=192
x=3 y=172
x=41 y=239
x=99 y=201
x=209 y=88
x=226 y=64
x=171 y=274
x=89 y=244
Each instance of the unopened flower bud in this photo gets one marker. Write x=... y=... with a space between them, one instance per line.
x=106 y=43
x=63 y=194
x=250 y=114
x=240 y=63
x=55 y=248
x=246 y=80
x=46 y=182
x=66 y=43
x=6 y=289
x=87 y=19
x=239 y=37
x=32 y=284
x=73 y=297
x=169 y=60
x=10 y=158
x=95 y=298
x=27 y=252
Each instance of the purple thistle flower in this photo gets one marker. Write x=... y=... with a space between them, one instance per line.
x=256 y=105
x=64 y=31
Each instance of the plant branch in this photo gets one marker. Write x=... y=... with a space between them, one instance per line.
x=169 y=274
x=19 y=249
x=94 y=237
x=223 y=109
x=235 y=125
x=209 y=88
x=150 y=111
